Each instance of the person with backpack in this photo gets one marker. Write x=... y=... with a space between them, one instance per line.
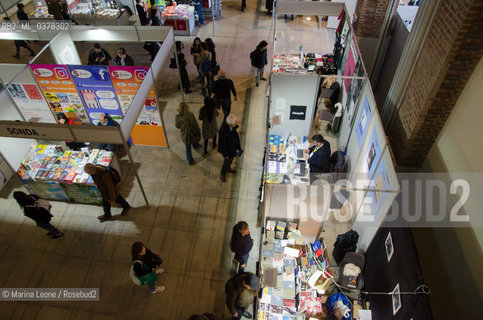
x=99 y=56
x=108 y=187
x=204 y=63
x=145 y=266
x=240 y=293
x=39 y=211
x=258 y=59
x=241 y=243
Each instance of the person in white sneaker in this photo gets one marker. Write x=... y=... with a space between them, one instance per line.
x=145 y=265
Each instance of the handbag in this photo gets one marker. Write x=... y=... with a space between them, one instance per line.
x=172 y=64
x=141 y=280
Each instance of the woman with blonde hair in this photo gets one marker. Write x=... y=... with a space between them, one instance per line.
x=189 y=129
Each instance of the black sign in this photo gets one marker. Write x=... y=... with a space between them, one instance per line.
x=297 y=112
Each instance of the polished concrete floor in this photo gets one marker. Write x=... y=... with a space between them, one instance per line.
x=191 y=212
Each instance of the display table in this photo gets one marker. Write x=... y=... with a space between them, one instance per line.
x=54 y=174
x=285 y=164
x=101 y=17
x=290 y=267
x=181 y=18
x=306 y=64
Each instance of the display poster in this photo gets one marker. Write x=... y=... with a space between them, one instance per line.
x=363 y=123
x=59 y=90
x=5 y=172
x=30 y=102
x=297 y=112
x=126 y=81
x=373 y=154
x=97 y=91
x=379 y=183
x=149 y=127
x=349 y=69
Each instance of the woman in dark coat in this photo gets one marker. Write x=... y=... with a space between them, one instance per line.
x=209 y=127
x=190 y=131
x=211 y=49
x=33 y=209
x=183 y=73
x=228 y=144
x=144 y=263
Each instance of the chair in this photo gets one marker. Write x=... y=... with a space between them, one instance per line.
x=348 y=282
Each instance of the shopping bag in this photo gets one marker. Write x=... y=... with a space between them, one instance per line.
x=134 y=278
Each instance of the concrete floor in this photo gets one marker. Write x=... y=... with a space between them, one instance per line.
x=191 y=212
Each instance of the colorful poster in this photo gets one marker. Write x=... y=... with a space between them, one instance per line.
x=59 y=90
x=96 y=90
x=30 y=102
x=363 y=123
x=126 y=81
x=349 y=70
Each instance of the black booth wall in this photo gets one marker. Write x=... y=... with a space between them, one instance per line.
x=383 y=276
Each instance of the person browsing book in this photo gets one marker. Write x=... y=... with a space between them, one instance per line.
x=318 y=156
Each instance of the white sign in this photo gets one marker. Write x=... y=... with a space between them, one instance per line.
x=31 y=102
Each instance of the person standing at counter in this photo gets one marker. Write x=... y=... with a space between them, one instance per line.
x=105 y=120
x=318 y=156
x=55 y=9
x=198 y=8
x=98 y=56
x=258 y=58
x=240 y=293
x=122 y=58
x=38 y=210
x=228 y=144
x=108 y=188
x=241 y=243
x=21 y=15
x=143 y=16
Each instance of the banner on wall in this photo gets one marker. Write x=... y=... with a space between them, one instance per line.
x=59 y=90
x=379 y=182
x=149 y=127
x=373 y=153
x=30 y=102
x=363 y=123
x=97 y=91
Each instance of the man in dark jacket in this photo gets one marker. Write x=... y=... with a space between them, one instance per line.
x=98 y=56
x=105 y=120
x=34 y=209
x=122 y=58
x=21 y=15
x=259 y=60
x=108 y=189
x=143 y=16
x=240 y=292
x=318 y=156
x=228 y=145
x=222 y=88
x=241 y=243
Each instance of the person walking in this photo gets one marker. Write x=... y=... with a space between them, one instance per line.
x=108 y=188
x=195 y=52
x=143 y=16
x=259 y=59
x=222 y=88
x=105 y=120
x=183 y=73
x=21 y=15
x=39 y=211
x=98 y=56
x=214 y=63
x=145 y=265
x=241 y=243
x=189 y=129
x=204 y=68
x=228 y=144
x=240 y=292
x=209 y=127
x=122 y=58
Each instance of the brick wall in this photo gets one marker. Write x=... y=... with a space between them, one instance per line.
x=370 y=17
x=452 y=50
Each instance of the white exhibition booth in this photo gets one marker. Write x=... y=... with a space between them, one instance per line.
x=28 y=110
x=370 y=184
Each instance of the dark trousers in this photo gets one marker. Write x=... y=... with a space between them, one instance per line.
x=239 y=311
x=107 y=206
x=225 y=106
x=226 y=166
x=185 y=81
x=22 y=43
x=47 y=226
x=206 y=144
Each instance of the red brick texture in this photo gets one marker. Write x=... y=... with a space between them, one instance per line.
x=450 y=53
x=370 y=17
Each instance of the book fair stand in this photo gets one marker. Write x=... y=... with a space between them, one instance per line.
x=35 y=94
x=295 y=267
